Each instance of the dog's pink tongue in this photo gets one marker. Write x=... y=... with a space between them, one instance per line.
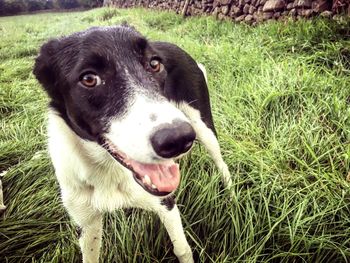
x=166 y=177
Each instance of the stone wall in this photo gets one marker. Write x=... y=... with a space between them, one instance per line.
x=249 y=11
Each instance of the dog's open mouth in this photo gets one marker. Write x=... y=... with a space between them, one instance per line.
x=158 y=179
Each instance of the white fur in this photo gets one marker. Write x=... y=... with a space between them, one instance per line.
x=2 y=206
x=207 y=137
x=88 y=174
x=93 y=182
x=131 y=134
x=202 y=68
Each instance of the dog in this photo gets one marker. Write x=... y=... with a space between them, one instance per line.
x=122 y=110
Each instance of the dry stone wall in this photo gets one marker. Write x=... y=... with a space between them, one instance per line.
x=249 y=11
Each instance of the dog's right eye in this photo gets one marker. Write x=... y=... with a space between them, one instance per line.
x=155 y=65
x=90 y=80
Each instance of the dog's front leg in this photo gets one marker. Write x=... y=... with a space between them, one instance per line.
x=170 y=216
x=207 y=137
x=90 y=240
x=210 y=142
x=90 y=223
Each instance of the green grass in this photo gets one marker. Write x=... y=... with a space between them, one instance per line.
x=281 y=103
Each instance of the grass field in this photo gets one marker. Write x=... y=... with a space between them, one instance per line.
x=281 y=103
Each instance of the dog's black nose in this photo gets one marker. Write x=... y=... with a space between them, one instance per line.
x=173 y=139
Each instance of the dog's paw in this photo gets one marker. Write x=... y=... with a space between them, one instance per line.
x=226 y=176
x=227 y=180
x=185 y=256
x=2 y=208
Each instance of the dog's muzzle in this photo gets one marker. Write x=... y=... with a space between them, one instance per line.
x=161 y=178
x=174 y=139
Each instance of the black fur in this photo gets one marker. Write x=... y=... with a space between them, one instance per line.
x=110 y=52
x=185 y=81
x=169 y=202
x=79 y=231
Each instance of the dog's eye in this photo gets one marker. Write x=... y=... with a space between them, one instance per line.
x=90 y=80
x=156 y=66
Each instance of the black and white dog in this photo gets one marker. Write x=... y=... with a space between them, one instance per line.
x=122 y=109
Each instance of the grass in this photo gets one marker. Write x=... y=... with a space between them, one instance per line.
x=281 y=103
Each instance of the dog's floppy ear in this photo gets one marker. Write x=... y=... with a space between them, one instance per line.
x=45 y=68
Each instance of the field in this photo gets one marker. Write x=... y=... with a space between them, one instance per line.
x=280 y=97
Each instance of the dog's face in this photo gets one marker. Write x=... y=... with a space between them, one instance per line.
x=107 y=84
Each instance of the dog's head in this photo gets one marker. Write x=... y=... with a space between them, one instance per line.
x=107 y=84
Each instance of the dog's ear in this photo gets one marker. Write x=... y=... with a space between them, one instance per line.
x=45 y=67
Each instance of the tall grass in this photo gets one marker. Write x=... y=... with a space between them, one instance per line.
x=280 y=97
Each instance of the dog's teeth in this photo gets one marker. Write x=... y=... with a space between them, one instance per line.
x=154 y=187
x=147 y=180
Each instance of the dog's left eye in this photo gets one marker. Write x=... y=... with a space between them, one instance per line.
x=90 y=80
x=156 y=65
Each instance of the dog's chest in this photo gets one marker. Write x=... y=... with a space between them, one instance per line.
x=113 y=188
x=87 y=173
